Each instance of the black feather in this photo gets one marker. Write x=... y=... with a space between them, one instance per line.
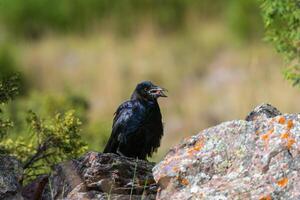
x=137 y=127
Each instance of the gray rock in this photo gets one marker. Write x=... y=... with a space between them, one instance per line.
x=102 y=176
x=10 y=176
x=264 y=110
x=254 y=159
x=34 y=190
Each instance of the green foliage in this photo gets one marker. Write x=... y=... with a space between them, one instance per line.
x=244 y=20
x=97 y=134
x=282 y=24
x=47 y=105
x=49 y=143
x=293 y=74
x=9 y=67
x=9 y=88
x=5 y=125
x=37 y=142
x=32 y=18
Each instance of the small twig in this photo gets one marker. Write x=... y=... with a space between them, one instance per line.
x=38 y=153
x=37 y=156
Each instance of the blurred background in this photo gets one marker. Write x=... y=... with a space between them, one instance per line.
x=89 y=55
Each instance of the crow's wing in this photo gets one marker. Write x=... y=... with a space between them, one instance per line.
x=128 y=119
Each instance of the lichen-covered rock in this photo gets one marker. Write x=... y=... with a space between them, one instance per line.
x=102 y=176
x=255 y=159
x=10 y=176
x=264 y=110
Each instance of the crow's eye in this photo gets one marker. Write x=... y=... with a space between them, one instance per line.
x=146 y=89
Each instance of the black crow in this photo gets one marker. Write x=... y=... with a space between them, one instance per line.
x=137 y=127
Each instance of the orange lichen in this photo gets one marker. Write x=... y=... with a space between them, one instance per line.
x=265 y=136
x=191 y=151
x=290 y=142
x=281 y=120
x=197 y=147
x=199 y=144
x=271 y=130
x=267 y=197
x=290 y=124
x=285 y=135
x=288 y=139
x=283 y=182
x=175 y=169
x=184 y=181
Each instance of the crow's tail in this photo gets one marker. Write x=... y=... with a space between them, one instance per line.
x=111 y=146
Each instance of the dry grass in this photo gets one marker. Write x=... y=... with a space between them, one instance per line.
x=210 y=77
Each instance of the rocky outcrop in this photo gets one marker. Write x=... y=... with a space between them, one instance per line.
x=102 y=176
x=10 y=176
x=257 y=158
x=263 y=111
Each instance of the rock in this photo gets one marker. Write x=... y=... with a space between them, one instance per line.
x=102 y=176
x=34 y=190
x=254 y=159
x=263 y=111
x=10 y=176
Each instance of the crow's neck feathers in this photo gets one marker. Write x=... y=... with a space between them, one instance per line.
x=136 y=96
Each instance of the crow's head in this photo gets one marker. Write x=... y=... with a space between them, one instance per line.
x=148 y=91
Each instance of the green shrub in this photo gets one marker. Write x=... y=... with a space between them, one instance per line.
x=41 y=143
x=8 y=90
x=282 y=25
x=47 y=143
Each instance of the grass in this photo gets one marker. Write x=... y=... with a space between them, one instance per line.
x=144 y=189
x=211 y=77
x=51 y=189
x=133 y=178
x=109 y=193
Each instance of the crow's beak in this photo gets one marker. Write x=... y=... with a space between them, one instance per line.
x=158 y=91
